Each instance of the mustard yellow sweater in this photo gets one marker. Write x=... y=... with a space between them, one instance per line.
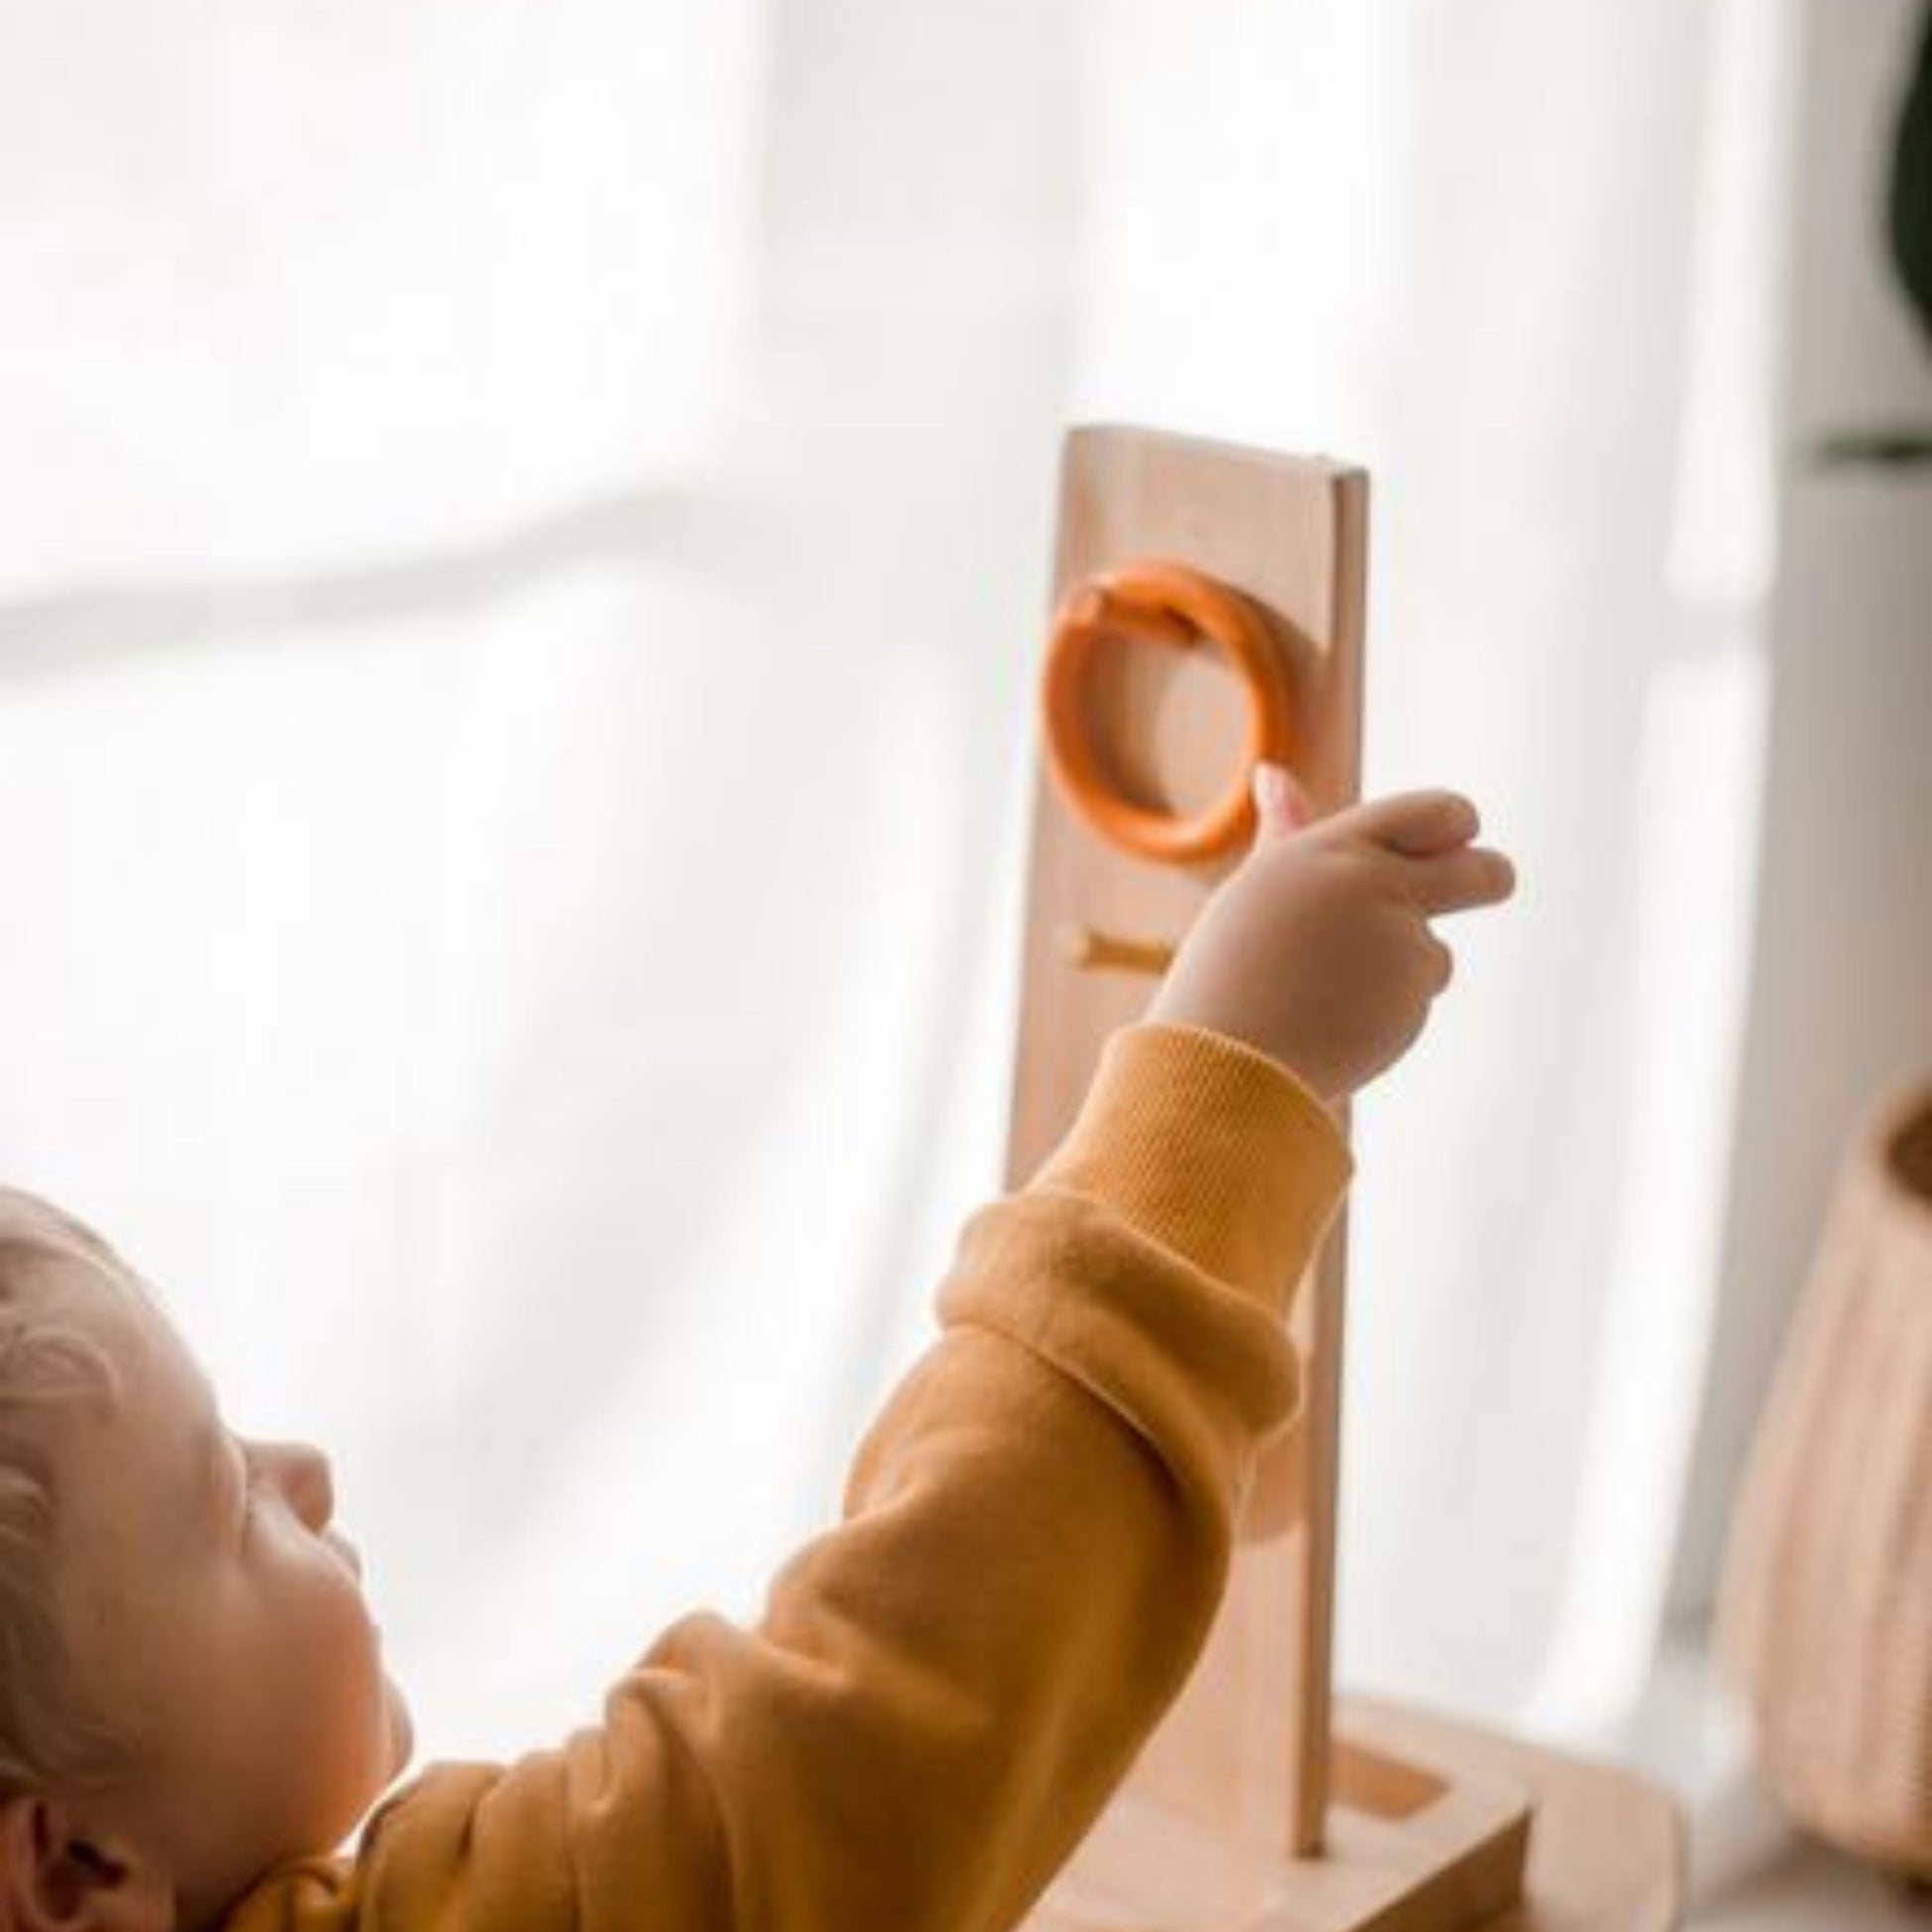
x=945 y=1688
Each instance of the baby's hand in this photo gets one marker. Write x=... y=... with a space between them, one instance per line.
x=1316 y=947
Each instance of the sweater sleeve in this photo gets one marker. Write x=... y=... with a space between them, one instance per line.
x=943 y=1689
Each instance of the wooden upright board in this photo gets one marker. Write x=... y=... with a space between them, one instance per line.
x=1245 y=1748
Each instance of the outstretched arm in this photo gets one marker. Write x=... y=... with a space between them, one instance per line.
x=945 y=1688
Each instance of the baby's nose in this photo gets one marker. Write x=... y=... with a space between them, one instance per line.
x=303 y=1472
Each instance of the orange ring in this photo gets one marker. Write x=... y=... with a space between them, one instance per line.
x=1167 y=604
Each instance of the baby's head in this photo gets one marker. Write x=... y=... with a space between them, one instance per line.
x=190 y=1688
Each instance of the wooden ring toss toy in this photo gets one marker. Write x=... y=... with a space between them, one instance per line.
x=1173 y=605
x=1259 y=1803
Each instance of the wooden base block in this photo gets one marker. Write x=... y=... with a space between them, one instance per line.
x=1433 y=1826
x=1413 y=1843
x=1606 y=1848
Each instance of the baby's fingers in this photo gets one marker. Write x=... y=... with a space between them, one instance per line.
x=1281 y=803
x=1455 y=882
x=1415 y=824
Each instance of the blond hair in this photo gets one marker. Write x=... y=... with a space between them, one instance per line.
x=53 y=1730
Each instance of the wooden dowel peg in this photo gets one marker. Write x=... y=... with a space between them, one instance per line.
x=1095 y=951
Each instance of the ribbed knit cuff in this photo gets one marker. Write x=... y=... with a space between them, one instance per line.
x=1210 y=1147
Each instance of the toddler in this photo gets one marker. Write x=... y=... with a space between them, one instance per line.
x=942 y=1691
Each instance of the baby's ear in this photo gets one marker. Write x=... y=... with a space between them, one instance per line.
x=57 y=1877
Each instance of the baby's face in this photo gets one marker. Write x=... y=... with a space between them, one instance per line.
x=205 y=1590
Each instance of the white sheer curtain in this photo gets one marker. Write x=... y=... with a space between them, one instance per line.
x=527 y=535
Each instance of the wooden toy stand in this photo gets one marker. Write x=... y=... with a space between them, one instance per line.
x=1253 y=1808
